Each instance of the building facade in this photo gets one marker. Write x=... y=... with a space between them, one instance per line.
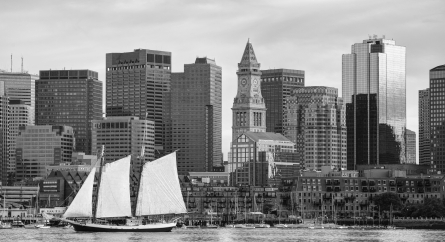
x=20 y=86
x=315 y=120
x=411 y=147
x=72 y=98
x=276 y=86
x=40 y=146
x=4 y=137
x=437 y=117
x=196 y=116
x=249 y=109
x=373 y=88
x=256 y=158
x=138 y=84
x=424 y=127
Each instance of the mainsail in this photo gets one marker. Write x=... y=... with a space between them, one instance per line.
x=159 y=189
x=82 y=203
x=114 y=190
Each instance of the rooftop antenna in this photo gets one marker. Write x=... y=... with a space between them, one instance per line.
x=11 y=62
x=22 y=64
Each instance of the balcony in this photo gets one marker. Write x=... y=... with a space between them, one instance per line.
x=427 y=183
x=372 y=183
x=372 y=189
x=336 y=183
x=364 y=183
x=328 y=183
x=400 y=190
x=364 y=189
x=399 y=183
x=337 y=189
x=392 y=183
x=329 y=189
x=419 y=183
x=420 y=190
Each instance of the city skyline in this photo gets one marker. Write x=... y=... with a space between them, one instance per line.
x=310 y=39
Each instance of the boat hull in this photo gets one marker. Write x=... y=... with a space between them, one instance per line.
x=124 y=228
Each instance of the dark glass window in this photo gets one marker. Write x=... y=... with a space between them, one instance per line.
x=150 y=58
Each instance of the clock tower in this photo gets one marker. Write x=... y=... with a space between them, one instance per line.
x=249 y=110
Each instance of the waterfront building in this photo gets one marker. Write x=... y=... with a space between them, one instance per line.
x=424 y=127
x=276 y=86
x=196 y=116
x=71 y=98
x=255 y=158
x=4 y=136
x=249 y=109
x=42 y=145
x=437 y=117
x=79 y=162
x=210 y=178
x=138 y=84
x=21 y=114
x=410 y=147
x=373 y=88
x=19 y=86
x=315 y=121
x=20 y=200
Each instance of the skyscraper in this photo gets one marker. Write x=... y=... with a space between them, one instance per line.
x=315 y=120
x=249 y=109
x=410 y=147
x=276 y=86
x=4 y=136
x=20 y=86
x=71 y=98
x=424 y=127
x=196 y=116
x=373 y=87
x=138 y=84
x=437 y=117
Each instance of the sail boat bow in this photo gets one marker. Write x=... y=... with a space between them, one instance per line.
x=159 y=194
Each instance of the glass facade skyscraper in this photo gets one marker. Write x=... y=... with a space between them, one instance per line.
x=196 y=116
x=72 y=98
x=410 y=147
x=276 y=86
x=373 y=87
x=437 y=118
x=424 y=127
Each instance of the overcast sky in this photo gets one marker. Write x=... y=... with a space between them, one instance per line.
x=303 y=35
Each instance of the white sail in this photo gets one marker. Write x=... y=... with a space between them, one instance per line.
x=159 y=190
x=82 y=203
x=114 y=190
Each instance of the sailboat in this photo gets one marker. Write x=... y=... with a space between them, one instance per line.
x=159 y=194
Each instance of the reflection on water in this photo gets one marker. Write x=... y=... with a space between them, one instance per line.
x=225 y=235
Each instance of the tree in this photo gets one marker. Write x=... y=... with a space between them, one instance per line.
x=432 y=207
x=385 y=200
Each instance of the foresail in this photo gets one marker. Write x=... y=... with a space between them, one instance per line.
x=159 y=190
x=82 y=203
x=114 y=190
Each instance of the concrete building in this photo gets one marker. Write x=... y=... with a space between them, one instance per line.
x=210 y=178
x=315 y=121
x=374 y=91
x=411 y=147
x=196 y=116
x=21 y=115
x=79 y=162
x=4 y=136
x=40 y=146
x=72 y=98
x=19 y=86
x=249 y=109
x=424 y=127
x=138 y=84
x=255 y=158
x=276 y=86
x=437 y=118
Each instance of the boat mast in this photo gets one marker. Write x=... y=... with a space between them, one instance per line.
x=141 y=159
x=101 y=160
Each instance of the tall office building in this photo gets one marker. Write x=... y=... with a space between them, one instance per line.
x=138 y=84
x=276 y=86
x=71 y=98
x=374 y=92
x=424 y=127
x=21 y=114
x=437 y=117
x=40 y=146
x=315 y=120
x=196 y=116
x=249 y=109
x=4 y=136
x=410 y=147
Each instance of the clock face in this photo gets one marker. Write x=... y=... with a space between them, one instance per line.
x=243 y=82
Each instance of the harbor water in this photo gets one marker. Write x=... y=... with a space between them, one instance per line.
x=226 y=234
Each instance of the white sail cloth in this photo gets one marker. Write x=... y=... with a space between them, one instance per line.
x=82 y=203
x=159 y=190
x=114 y=190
